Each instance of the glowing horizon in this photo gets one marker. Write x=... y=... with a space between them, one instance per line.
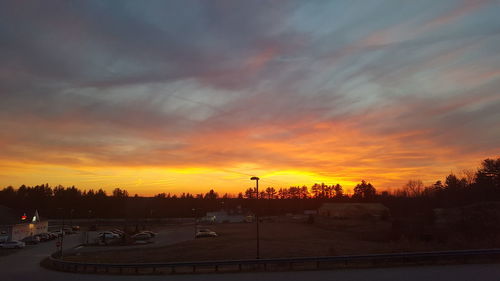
x=188 y=96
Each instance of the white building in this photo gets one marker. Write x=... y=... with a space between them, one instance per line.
x=16 y=226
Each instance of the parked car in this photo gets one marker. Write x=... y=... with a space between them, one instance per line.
x=57 y=233
x=75 y=227
x=69 y=230
x=141 y=236
x=205 y=233
x=31 y=240
x=150 y=233
x=119 y=232
x=12 y=245
x=43 y=236
x=108 y=235
x=39 y=236
x=51 y=235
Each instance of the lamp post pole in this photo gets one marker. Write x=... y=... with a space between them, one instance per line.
x=88 y=229
x=71 y=218
x=194 y=218
x=61 y=238
x=256 y=179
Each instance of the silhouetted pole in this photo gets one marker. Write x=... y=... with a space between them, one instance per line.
x=256 y=179
x=71 y=218
x=88 y=229
x=62 y=233
x=194 y=218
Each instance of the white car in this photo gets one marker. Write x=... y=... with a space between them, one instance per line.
x=108 y=235
x=141 y=236
x=150 y=233
x=118 y=232
x=12 y=245
x=58 y=233
x=205 y=233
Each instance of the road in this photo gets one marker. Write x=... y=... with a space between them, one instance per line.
x=24 y=265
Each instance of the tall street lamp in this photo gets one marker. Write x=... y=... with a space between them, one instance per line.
x=61 y=238
x=194 y=218
x=256 y=179
x=88 y=229
x=71 y=218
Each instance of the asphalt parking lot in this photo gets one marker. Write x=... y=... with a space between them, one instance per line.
x=24 y=265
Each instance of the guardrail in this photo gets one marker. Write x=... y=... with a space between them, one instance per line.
x=304 y=263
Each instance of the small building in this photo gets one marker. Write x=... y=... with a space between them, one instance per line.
x=354 y=211
x=228 y=215
x=16 y=225
x=223 y=216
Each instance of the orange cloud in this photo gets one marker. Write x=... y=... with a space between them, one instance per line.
x=256 y=62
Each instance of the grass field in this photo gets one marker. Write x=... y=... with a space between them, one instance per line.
x=277 y=239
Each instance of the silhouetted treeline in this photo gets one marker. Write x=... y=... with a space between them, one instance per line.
x=472 y=186
x=71 y=202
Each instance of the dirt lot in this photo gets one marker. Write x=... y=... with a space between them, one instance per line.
x=277 y=239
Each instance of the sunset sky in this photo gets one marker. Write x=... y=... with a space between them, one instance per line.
x=184 y=96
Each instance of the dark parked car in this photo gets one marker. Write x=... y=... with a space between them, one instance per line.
x=44 y=236
x=31 y=240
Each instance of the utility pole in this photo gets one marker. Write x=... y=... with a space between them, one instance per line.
x=90 y=214
x=256 y=179
x=62 y=234
x=194 y=218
